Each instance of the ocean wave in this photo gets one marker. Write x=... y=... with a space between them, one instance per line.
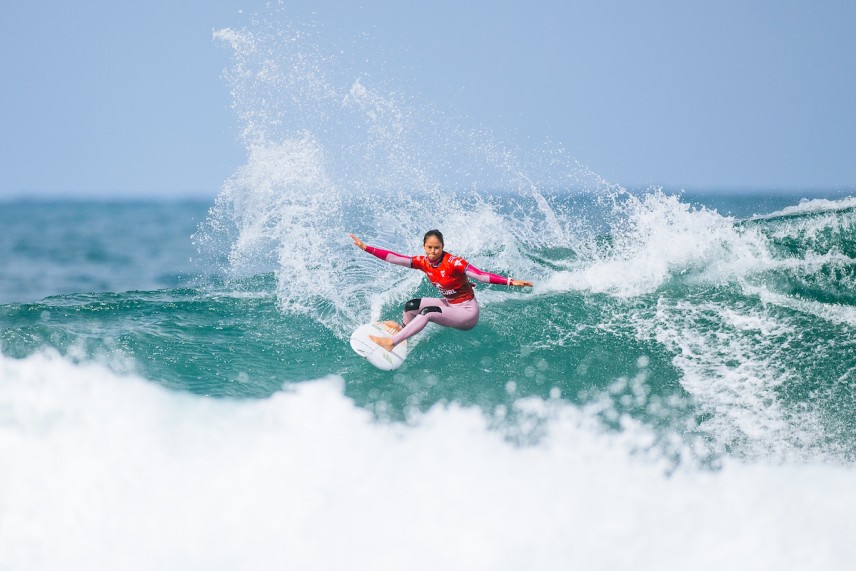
x=811 y=207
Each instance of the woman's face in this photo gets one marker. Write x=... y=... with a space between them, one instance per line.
x=433 y=249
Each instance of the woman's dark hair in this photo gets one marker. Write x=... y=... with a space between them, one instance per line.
x=436 y=233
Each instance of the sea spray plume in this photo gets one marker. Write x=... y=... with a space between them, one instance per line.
x=275 y=88
x=283 y=83
x=333 y=149
x=283 y=211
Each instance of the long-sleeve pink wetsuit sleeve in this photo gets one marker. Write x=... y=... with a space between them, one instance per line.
x=388 y=256
x=486 y=277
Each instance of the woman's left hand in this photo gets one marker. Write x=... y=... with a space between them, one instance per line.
x=521 y=283
x=359 y=243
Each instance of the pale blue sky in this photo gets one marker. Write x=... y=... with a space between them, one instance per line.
x=126 y=99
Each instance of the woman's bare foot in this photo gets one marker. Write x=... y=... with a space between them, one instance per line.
x=395 y=327
x=385 y=342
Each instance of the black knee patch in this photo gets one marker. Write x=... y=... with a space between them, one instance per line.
x=431 y=309
x=413 y=304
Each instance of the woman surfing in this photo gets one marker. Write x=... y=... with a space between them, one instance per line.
x=451 y=275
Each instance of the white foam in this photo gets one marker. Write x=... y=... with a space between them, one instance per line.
x=99 y=471
x=834 y=313
x=656 y=236
x=811 y=206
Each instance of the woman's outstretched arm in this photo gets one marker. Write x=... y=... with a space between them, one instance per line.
x=489 y=278
x=384 y=255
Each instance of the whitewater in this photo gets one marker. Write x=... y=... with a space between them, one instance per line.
x=106 y=471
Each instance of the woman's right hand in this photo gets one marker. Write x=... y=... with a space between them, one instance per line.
x=359 y=243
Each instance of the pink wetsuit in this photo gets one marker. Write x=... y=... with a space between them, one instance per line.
x=457 y=308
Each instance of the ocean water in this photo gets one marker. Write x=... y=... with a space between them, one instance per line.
x=177 y=390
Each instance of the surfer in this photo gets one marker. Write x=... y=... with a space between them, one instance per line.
x=451 y=275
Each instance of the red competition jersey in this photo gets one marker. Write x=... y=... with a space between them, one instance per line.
x=449 y=276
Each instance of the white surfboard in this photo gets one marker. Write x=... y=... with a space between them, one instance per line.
x=374 y=353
